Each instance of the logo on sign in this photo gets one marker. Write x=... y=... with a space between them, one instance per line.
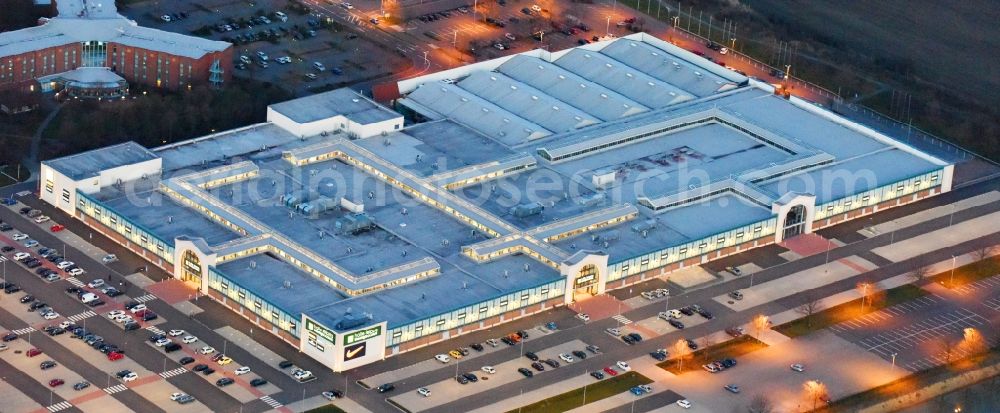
x=319 y=330
x=584 y=280
x=362 y=335
x=355 y=351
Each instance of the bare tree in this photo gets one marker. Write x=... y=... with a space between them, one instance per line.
x=918 y=274
x=681 y=352
x=760 y=324
x=946 y=347
x=982 y=256
x=811 y=304
x=760 y=404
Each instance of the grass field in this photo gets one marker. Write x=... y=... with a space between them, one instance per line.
x=597 y=391
x=849 y=310
x=728 y=349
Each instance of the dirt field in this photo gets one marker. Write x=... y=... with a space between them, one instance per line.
x=952 y=44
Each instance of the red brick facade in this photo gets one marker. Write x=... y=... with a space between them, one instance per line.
x=137 y=66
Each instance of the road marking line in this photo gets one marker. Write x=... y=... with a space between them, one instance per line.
x=144 y=298
x=76 y=283
x=25 y=330
x=81 y=316
x=622 y=319
x=175 y=372
x=271 y=402
x=63 y=405
x=115 y=389
x=155 y=329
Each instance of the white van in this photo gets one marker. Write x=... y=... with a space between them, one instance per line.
x=88 y=297
x=281 y=16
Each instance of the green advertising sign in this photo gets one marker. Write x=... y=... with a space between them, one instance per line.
x=362 y=335
x=320 y=330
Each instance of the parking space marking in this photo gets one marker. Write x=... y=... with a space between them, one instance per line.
x=81 y=316
x=921 y=331
x=76 y=283
x=155 y=329
x=144 y=298
x=886 y=313
x=993 y=303
x=271 y=402
x=991 y=282
x=622 y=319
x=175 y=372
x=60 y=406
x=25 y=330
x=115 y=389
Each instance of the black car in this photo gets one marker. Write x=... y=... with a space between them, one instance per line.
x=32 y=263
x=523 y=334
x=471 y=377
x=132 y=325
x=96 y=303
x=208 y=371
x=54 y=258
x=525 y=372
x=677 y=324
x=507 y=341
x=628 y=339
x=597 y=375
x=36 y=305
x=5 y=228
x=156 y=337
x=57 y=331
x=476 y=346
x=12 y=289
x=461 y=379
x=41 y=271
x=27 y=299
x=47 y=364
x=25 y=210
x=149 y=316
x=171 y=347
x=727 y=363
x=112 y=292
x=9 y=337
x=81 y=385
x=636 y=337
x=223 y=382
x=123 y=373
x=531 y=356
x=706 y=314
x=257 y=382
x=579 y=354
x=74 y=290
x=692 y=345
x=538 y=366
x=386 y=388
x=186 y=360
x=686 y=311
x=199 y=367
x=131 y=304
x=552 y=363
x=7 y=248
x=658 y=355
x=285 y=364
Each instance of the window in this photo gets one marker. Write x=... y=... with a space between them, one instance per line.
x=397 y=334
x=503 y=303
x=291 y=325
x=524 y=297
x=483 y=309
x=241 y=294
x=440 y=322
x=256 y=305
x=274 y=315
x=461 y=315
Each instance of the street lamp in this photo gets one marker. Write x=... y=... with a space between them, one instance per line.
x=733 y=46
x=951 y=278
x=607 y=27
x=893 y=360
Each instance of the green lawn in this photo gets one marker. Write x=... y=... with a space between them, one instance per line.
x=327 y=409
x=968 y=273
x=597 y=391
x=849 y=310
x=728 y=349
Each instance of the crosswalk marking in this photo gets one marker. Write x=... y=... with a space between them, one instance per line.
x=622 y=319
x=144 y=298
x=25 y=330
x=175 y=372
x=271 y=402
x=155 y=330
x=81 y=316
x=63 y=405
x=115 y=389
x=76 y=283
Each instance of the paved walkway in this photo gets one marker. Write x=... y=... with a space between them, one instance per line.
x=951 y=235
x=929 y=214
x=600 y=307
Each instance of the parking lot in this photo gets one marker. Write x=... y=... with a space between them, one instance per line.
x=293 y=42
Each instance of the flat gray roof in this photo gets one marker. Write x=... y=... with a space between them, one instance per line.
x=91 y=163
x=325 y=105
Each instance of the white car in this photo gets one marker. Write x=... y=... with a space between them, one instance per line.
x=684 y=403
x=489 y=369
x=509 y=36
x=98 y=283
x=30 y=243
x=115 y=313
x=423 y=391
x=584 y=317
x=122 y=318
x=65 y=264
x=18 y=237
x=42 y=219
x=51 y=316
x=189 y=339
x=262 y=56
x=76 y=271
x=566 y=357
x=347 y=5
x=283 y=60
x=206 y=350
x=65 y=324
x=242 y=370
x=137 y=308
x=442 y=358
x=319 y=66
x=175 y=333
x=798 y=367
x=130 y=377
x=3 y=347
x=21 y=255
x=535 y=8
x=623 y=366
x=110 y=258
x=614 y=331
x=166 y=18
x=162 y=342
x=176 y=396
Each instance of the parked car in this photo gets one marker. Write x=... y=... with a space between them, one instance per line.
x=386 y=388
x=525 y=372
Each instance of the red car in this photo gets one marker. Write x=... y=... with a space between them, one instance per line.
x=56 y=382
x=611 y=371
x=57 y=228
x=34 y=352
x=114 y=356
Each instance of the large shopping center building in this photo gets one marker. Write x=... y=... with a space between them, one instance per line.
x=497 y=190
